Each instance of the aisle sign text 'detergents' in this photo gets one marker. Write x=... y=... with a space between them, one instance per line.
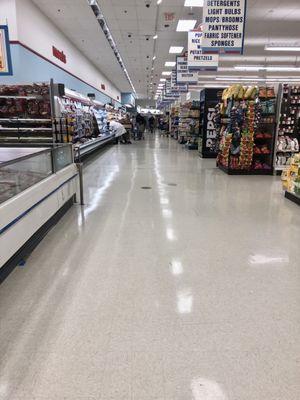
x=197 y=61
x=223 y=26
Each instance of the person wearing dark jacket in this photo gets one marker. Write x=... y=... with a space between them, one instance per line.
x=151 y=123
x=141 y=125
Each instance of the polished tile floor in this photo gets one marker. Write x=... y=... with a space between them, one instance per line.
x=189 y=290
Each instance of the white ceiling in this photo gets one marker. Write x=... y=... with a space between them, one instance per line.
x=267 y=21
x=77 y=21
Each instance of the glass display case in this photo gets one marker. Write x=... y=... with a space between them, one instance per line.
x=21 y=168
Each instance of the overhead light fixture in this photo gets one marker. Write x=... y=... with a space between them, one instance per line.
x=194 y=3
x=271 y=68
x=170 y=64
x=240 y=79
x=282 y=69
x=162 y=80
x=154 y=58
x=279 y=47
x=176 y=50
x=155 y=37
x=158 y=2
x=105 y=29
x=248 y=67
x=166 y=73
x=185 y=25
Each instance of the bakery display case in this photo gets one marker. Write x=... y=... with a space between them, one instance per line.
x=37 y=186
x=44 y=114
x=22 y=168
x=25 y=114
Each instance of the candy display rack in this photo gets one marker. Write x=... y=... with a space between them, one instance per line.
x=247 y=129
x=288 y=128
x=291 y=179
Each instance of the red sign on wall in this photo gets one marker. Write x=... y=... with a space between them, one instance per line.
x=103 y=86
x=169 y=16
x=59 y=54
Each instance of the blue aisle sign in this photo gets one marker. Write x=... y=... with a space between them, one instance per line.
x=224 y=26
x=180 y=87
x=183 y=75
x=5 y=56
x=197 y=61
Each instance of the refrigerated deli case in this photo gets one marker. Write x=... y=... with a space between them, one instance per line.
x=37 y=185
x=43 y=114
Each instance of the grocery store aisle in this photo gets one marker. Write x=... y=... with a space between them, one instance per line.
x=189 y=289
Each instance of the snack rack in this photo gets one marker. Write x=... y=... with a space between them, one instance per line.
x=291 y=179
x=288 y=128
x=247 y=130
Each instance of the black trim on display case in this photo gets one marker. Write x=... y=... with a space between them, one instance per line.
x=292 y=197
x=33 y=241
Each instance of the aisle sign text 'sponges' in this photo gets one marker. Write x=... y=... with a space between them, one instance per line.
x=224 y=26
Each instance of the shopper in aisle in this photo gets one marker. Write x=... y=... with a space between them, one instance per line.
x=141 y=126
x=126 y=122
x=152 y=123
x=118 y=129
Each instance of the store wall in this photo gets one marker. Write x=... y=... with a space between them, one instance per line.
x=8 y=17
x=34 y=35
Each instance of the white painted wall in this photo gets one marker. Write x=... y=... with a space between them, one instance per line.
x=33 y=29
x=8 y=17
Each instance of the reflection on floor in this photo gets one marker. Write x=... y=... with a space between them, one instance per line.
x=186 y=292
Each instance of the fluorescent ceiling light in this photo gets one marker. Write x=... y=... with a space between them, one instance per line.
x=249 y=67
x=175 y=50
x=154 y=58
x=282 y=69
x=155 y=37
x=194 y=3
x=159 y=2
x=163 y=80
x=185 y=25
x=279 y=68
x=274 y=47
x=166 y=73
x=170 y=64
x=240 y=79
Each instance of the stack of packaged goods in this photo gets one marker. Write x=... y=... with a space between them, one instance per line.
x=288 y=137
x=25 y=114
x=189 y=124
x=174 y=121
x=291 y=179
x=245 y=136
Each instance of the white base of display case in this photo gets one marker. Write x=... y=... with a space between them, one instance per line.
x=24 y=214
x=92 y=145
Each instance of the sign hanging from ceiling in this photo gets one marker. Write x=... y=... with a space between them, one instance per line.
x=183 y=75
x=197 y=61
x=5 y=56
x=224 y=26
x=178 y=87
